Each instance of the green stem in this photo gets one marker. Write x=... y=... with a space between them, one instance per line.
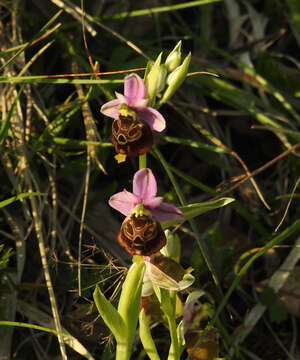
x=167 y=305
x=174 y=348
x=143 y=161
x=174 y=352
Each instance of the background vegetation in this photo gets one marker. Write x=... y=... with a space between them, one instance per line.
x=58 y=168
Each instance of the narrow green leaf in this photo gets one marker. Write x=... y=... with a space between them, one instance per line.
x=110 y=316
x=31 y=326
x=129 y=306
x=4 y=256
x=130 y=299
x=79 y=143
x=19 y=197
x=159 y=9
x=36 y=36
x=57 y=81
x=193 y=210
x=146 y=337
x=194 y=144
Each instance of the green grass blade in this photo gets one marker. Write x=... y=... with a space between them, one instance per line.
x=41 y=32
x=31 y=326
x=160 y=9
x=44 y=79
x=19 y=197
x=194 y=144
x=78 y=143
x=5 y=123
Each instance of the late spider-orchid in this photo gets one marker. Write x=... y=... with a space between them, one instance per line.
x=134 y=121
x=141 y=232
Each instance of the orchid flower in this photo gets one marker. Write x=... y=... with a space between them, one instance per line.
x=144 y=192
x=135 y=98
x=141 y=232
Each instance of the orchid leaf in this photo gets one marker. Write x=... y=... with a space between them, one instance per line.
x=192 y=210
x=146 y=337
x=110 y=315
x=131 y=289
x=129 y=306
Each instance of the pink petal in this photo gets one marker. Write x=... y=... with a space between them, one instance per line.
x=141 y=104
x=123 y=201
x=134 y=89
x=153 y=118
x=111 y=108
x=165 y=212
x=153 y=202
x=122 y=99
x=144 y=184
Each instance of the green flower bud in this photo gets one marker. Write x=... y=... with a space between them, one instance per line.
x=161 y=81
x=174 y=58
x=155 y=80
x=175 y=79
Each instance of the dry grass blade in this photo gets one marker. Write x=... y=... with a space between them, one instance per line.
x=86 y=189
x=76 y=12
x=30 y=183
x=17 y=129
x=262 y=168
x=70 y=9
x=220 y=144
x=288 y=205
x=92 y=133
x=9 y=300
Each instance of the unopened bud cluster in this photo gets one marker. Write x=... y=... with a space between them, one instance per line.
x=163 y=79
